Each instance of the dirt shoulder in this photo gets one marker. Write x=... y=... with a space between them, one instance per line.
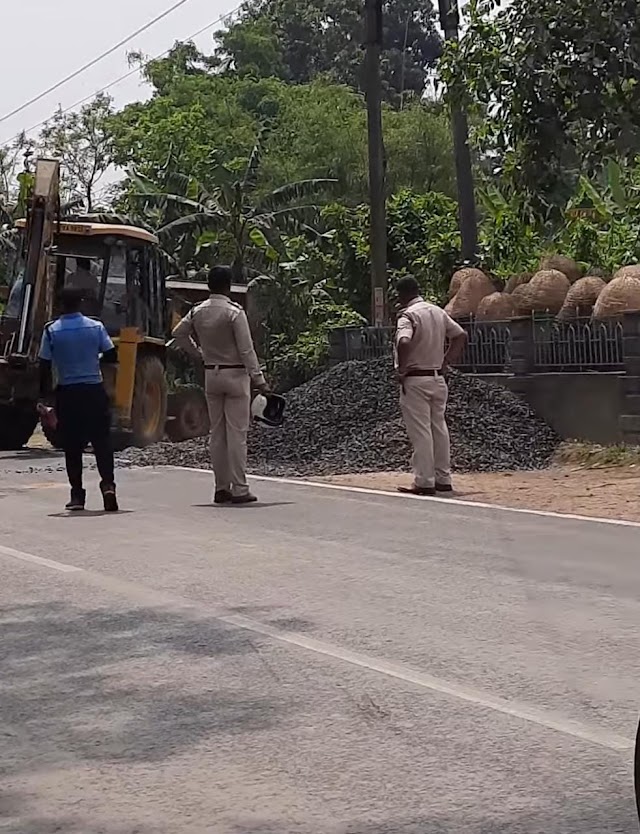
x=603 y=493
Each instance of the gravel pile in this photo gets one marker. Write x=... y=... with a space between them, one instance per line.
x=347 y=420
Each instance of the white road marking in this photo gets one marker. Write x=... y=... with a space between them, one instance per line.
x=514 y=709
x=38 y=560
x=525 y=712
x=459 y=502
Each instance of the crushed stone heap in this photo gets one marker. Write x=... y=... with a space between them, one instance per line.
x=348 y=420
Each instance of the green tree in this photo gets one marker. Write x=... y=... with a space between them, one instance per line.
x=82 y=141
x=554 y=86
x=423 y=239
x=318 y=130
x=16 y=182
x=230 y=221
x=301 y=41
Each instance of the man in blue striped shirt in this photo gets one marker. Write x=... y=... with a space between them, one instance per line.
x=75 y=345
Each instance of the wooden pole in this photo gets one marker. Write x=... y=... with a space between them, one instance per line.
x=378 y=223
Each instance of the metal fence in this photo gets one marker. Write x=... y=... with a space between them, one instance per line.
x=488 y=347
x=368 y=342
x=487 y=350
x=578 y=345
x=556 y=346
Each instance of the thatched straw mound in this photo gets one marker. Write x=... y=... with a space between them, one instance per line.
x=567 y=266
x=632 y=271
x=465 y=302
x=517 y=281
x=545 y=293
x=520 y=300
x=496 y=307
x=621 y=295
x=581 y=297
x=462 y=275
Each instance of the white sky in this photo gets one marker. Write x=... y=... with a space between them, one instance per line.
x=45 y=40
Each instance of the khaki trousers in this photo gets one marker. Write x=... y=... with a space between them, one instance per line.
x=229 y=402
x=423 y=401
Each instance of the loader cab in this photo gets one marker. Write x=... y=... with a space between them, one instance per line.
x=119 y=270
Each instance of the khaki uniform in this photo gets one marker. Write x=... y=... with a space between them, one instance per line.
x=423 y=399
x=218 y=331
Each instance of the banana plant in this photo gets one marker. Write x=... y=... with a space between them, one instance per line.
x=230 y=217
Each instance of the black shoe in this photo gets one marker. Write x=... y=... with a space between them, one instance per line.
x=444 y=488
x=248 y=498
x=109 y=498
x=78 y=498
x=222 y=496
x=415 y=490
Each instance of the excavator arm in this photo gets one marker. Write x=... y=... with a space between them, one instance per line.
x=37 y=299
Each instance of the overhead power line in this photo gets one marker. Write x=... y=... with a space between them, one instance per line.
x=95 y=61
x=123 y=77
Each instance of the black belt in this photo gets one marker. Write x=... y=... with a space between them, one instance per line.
x=417 y=372
x=222 y=367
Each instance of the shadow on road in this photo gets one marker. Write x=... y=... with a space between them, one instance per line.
x=596 y=815
x=35 y=824
x=136 y=685
x=88 y=514
x=32 y=454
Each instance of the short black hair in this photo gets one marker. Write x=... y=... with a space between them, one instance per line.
x=71 y=299
x=220 y=279
x=83 y=263
x=407 y=286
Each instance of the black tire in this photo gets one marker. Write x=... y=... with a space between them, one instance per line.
x=188 y=413
x=17 y=424
x=149 y=407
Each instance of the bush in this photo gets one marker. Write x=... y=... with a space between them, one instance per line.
x=291 y=364
x=423 y=239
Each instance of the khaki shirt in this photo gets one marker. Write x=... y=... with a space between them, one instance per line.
x=218 y=331
x=428 y=327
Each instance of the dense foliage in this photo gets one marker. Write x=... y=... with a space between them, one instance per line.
x=554 y=86
x=299 y=42
x=317 y=130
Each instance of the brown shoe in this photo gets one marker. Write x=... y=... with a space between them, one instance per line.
x=247 y=498
x=444 y=488
x=416 y=490
x=222 y=496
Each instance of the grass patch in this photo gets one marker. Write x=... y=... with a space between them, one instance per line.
x=592 y=456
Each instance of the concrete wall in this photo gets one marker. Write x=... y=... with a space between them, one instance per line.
x=578 y=406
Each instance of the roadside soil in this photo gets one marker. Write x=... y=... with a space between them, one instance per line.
x=612 y=492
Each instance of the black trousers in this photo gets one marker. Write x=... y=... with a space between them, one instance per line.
x=84 y=417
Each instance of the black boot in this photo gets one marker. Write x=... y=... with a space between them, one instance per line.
x=109 y=498
x=78 y=498
x=222 y=496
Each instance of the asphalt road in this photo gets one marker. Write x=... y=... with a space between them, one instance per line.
x=325 y=662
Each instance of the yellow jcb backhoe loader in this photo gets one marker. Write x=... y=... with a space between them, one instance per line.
x=125 y=282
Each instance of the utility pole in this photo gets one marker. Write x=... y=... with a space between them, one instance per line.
x=378 y=224
x=450 y=22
